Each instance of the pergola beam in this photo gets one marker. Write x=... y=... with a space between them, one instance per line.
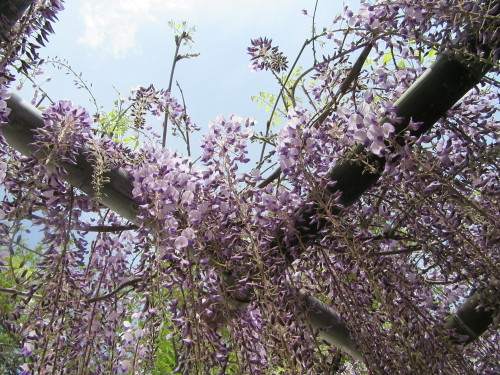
x=426 y=100
x=11 y=11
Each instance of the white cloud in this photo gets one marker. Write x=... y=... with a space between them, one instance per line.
x=112 y=25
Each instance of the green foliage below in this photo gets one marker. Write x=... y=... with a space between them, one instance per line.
x=166 y=354
x=16 y=269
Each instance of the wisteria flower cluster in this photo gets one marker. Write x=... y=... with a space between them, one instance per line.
x=26 y=36
x=366 y=129
x=66 y=130
x=166 y=188
x=265 y=56
x=210 y=276
x=4 y=110
x=148 y=100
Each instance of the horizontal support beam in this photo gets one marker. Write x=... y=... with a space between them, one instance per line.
x=425 y=101
x=330 y=326
x=470 y=320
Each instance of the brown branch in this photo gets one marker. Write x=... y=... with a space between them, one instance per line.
x=113 y=292
x=18 y=292
x=355 y=70
x=271 y=178
x=111 y=228
x=404 y=251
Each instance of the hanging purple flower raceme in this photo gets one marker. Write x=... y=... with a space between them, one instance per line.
x=290 y=141
x=4 y=110
x=20 y=41
x=59 y=274
x=148 y=100
x=59 y=271
x=366 y=129
x=66 y=129
x=173 y=199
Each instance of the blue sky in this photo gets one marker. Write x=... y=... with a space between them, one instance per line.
x=125 y=43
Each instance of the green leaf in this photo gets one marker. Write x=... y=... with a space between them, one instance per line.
x=387 y=57
x=351 y=276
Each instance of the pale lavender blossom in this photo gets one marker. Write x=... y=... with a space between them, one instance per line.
x=181 y=242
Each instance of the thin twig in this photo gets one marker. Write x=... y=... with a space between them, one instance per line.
x=306 y=93
x=444 y=282
x=44 y=93
x=113 y=292
x=341 y=54
x=30 y=250
x=271 y=178
x=185 y=119
x=395 y=252
x=355 y=70
x=78 y=78
x=314 y=32
x=178 y=43
x=18 y=292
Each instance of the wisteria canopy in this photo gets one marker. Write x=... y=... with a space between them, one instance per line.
x=362 y=240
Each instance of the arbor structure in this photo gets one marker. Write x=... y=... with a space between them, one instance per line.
x=393 y=263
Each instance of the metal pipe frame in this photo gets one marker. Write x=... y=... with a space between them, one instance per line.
x=427 y=100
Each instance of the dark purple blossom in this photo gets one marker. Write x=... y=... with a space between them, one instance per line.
x=265 y=56
x=67 y=127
